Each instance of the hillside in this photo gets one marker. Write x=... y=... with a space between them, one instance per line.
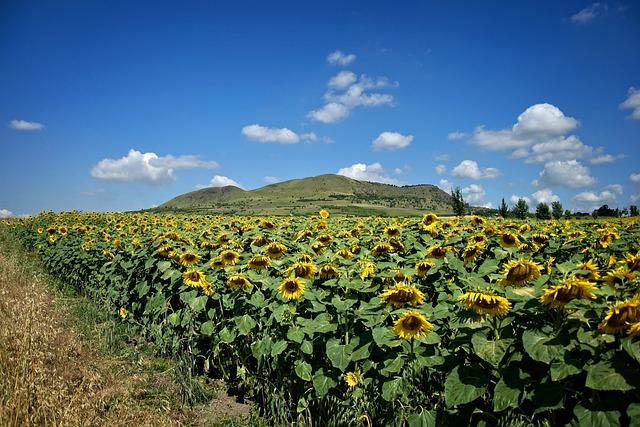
x=337 y=193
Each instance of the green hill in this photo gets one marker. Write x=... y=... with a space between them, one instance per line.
x=336 y=193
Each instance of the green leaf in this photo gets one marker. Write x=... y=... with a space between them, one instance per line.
x=163 y=265
x=245 y=324
x=464 y=385
x=261 y=348
x=174 y=318
x=295 y=334
x=338 y=354
x=422 y=419
x=362 y=353
x=505 y=396
x=306 y=347
x=303 y=370
x=541 y=347
x=588 y=418
x=197 y=304
x=384 y=337
x=227 y=336
x=608 y=376
x=488 y=266
x=279 y=347
x=390 y=389
x=257 y=300
x=490 y=350
x=632 y=347
x=207 y=328
x=322 y=383
x=633 y=412
x=563 y=369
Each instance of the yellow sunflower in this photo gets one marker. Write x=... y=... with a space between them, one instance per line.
x=423 y=267
x=618 y=317
x=471 y=252
x=591 y=271
x=558 y=296
x=618 y=277
x=188 y=259
x=291 y=288
x=392 y=230
x=238 y=281
x=509 y=240
x=276 y=250
x=485 y=303
x=401 y=295
x=634 y=329
x=368 y=270
x=259 y=262
x=123 y=312
x=305 y=270
x=193 y=278
x=216 y=263
x=382 y=248
x=412 y=324
x=437 y=252
x=352 y=379
x=324 y=214
x=229 y=257
x=429 y=220
x=520 y=272
x=328 y=271
x=632 y=261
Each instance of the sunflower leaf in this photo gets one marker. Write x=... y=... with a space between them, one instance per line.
x=464 y=385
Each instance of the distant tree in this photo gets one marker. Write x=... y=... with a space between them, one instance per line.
x=633 y=210
x=503 y=210
x=624 y=212
x=543 y=211
x=556 y=209
x=457 y=202
x=521 y=209
x=606 y=211
x=567 y=213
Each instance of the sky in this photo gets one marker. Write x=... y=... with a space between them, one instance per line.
x=111 y=106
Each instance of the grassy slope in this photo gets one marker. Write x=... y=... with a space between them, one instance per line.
x=301 y=196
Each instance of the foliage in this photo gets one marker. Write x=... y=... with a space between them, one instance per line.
x=503 y=210
x=556 y=209
x=520 y=209
x=559 y=348
x=457 y=202
x=542 y=211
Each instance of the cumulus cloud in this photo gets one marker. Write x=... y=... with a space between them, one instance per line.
x=340 y=58
x=25 y=125
x=473 y=194
x=566 y=173
x=545 y=196
x=456 y=136
x=347 y=92
x=220 y=181
x=470 y=169
x=632 y=103
x=589 y=200
x=146 y=167
x=635 y=177
x=605 y=158
x=589 y=13
x=440 y=169
x=265 y=135
x=271 y=179
x=5 y=213
x=635 y=198
x=615 y=188
x=445 y=185
x=372 y=173
x=392 y=141
x=514 y=199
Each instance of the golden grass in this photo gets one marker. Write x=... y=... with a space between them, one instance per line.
x=50 y=376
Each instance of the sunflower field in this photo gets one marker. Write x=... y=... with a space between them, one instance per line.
x=327 y=320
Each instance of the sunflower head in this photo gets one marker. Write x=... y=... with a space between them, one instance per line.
x=229 y=257
x=520 y=272
x=291 y=288
x=618 y=318
x=303 y=269
x=509 y=240
x=392 y=230
x=471 y=252
x=591 y=271
x=382 y=248
x=193 y=278
x=485 y=303
x=188 y=259
x=352 y=379
x=429 y=219
x=401 y=295
x=618 y=277
x=238 y=281
x=259 y=262
x=558 y=296
x=412 y=324
x=259 y=241
x=275 y=250
x=423 y=267
x=632 y=261
x=328 y=271
x=437 y=252
x=123 y=312
x=324 y=214
x=368 y=270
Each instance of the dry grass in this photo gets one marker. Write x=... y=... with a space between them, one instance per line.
x=52 y=375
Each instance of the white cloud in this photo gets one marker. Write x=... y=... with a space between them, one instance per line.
x=589 y=200
x=615 y=188
x=309 y=137
x=605 y=158
x=392 y=141
x=561 y=148
x=146 y=167
x=340 y=58
x=342 y=80
x=271 y=179
x=25 y=125
x=440 y=169
x=545 y=196
x=520 y=153
x=220 y=181
x=330 y=113
x=589 y=13
x=356 y=96
x=569 y=173
x=632 y=103
x=5 y=213
x=514 y=199
x=445 y=185
x=487 y=205
x=372 y=173
x=635 y=177
x=398 y=171
x=635 y=198
x=265 y=134
x=470 y=169
x=473 y=194
x=456 y=136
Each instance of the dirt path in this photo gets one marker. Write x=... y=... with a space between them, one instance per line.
x=52 y=375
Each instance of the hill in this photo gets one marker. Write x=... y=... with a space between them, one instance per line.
x=336 y=193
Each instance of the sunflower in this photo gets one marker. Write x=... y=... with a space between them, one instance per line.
x=276 y=250
x=471 y=252
x=476 y=220
x=423 y=267
x=412 y=324
x=558 y=296
x=392 y=230
x=401 y=295
x=291 y=288
x=634 y=329
x=229 y=257
x=305 y=258
x=352 y=379
x=216 y=263
x=618 y=277
x=618 y=317
x=632 y=261
x=207 y=288
x=193 y=278
x=382 y=248
x=259 y=241
x=485 y=303
x=238 y=281
x=328 y=271
x=368 y=270
x=344 y=253
x=591 y=271
x=259 y=262
x=520 y=272
x=429 y=220
x=508 y=240
x=550 y=262
x=324 y=214
x=612 y=261
x=302 y=234
x=437 y=252
x=123 y=312
x=305 y=270
x=188 y=259
x=166 y=251
x=324 y=238
x=318 y=248
x=540 y=238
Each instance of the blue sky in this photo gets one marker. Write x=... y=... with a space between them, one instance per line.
x=124 y=105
